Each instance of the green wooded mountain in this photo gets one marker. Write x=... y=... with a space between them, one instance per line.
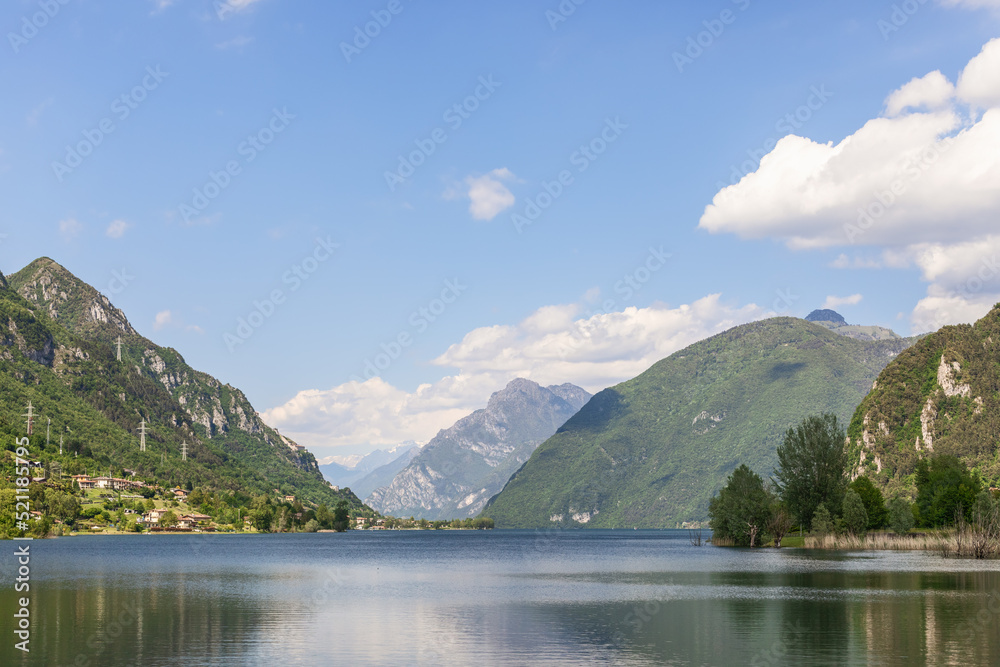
x=941 y=396
x=650 y=452
x=58 y=350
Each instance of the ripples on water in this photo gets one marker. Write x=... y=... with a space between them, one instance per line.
x=496 y=598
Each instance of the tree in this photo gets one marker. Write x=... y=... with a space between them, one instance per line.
x=341 y=516
x=262 y=518
x=742 y=509
x=811 y=464
x=874 y=502
x=944 y=486
x=324 y=517
x=168 y=518
x=900 y=516
x=822 y=522
x=780 y=524
x=855 y=515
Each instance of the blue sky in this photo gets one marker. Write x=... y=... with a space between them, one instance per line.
x=255 y=135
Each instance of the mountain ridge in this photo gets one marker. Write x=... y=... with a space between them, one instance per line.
x=455 y=474
x=66 y=333
x=649 y=452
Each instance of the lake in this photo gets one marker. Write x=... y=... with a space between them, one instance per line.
x=494 y=598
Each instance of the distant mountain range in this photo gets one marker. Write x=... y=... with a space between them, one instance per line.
x=834 y=321
x=650 y=452
x=372 y=470
x=59 y=350
x=455 y=474
x=941 y=396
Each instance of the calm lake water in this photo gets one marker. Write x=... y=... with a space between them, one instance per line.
x=494 y=598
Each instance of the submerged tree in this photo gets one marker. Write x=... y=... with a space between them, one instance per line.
x=811 y=464
x=742 y=509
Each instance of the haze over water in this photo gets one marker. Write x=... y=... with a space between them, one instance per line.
x=498 y=598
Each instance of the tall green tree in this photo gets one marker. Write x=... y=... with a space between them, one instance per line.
x=944 y=487
x=811 y=462
x=742 y=509
x=341 y=516
x=874 y=502
x=855 y=515
x=900 y=516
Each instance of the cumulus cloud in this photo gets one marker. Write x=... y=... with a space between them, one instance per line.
x=488 y=196
x=933 y=91
x=979 y=83
x=838 y=301
x=70 y=228
x=164 y=318
x=918 y=184
x=926 y=171
x=117 y=229
x=553 y=345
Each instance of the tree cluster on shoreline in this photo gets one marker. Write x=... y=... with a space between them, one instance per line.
x=812 y=487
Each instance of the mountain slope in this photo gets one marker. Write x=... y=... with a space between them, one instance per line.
x=57 y=350
x=835 y=322
x=650 y=452
x=372 y=470
x=462 y=467
x=941 y=396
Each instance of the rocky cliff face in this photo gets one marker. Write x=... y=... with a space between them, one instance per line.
x=938 y=397
x=464 y=466
x=214 y=409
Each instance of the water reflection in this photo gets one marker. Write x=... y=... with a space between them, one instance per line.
x=489 y=598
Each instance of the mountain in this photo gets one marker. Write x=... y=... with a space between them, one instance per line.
x=395 y=459
x=941 y=396
x=462 y=467
x=835 y=322
x=384 y=474
x=650 y=452
x=825 y=315
x=58 y=350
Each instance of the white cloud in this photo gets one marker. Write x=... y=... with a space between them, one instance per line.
x=117 y=229
x=972 y=4
x=70 y=228
x=979 y=83
x=919 y=184
x=931 y=92
x=553 y=345
x=163 y=319
x=917 y=176
x=838 y=301
x=33 y=115
x=234 y=43
x=488 y=195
